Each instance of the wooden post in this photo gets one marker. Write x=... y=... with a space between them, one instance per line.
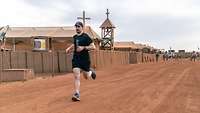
x=84 y=18
x=52 y=47
x=14 y=48
x=1 y=68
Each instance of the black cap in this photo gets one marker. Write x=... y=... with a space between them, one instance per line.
x=79 y=24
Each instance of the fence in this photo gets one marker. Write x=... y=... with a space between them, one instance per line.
x=58 y=62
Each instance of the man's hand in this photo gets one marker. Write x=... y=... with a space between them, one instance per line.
x=80 y=48
x=67 y=50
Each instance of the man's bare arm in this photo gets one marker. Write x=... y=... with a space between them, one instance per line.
x=90 y=47
x=70 y=48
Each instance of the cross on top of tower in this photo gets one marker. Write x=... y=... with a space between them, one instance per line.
x=107 y=23
x=84 y=18
x=107 y=13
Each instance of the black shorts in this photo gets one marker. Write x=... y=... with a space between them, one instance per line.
x=84 y=65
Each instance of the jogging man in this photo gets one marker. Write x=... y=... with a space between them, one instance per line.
x=81 y=59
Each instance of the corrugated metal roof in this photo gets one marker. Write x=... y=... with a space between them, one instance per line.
x=27 y=32
x=131 y=45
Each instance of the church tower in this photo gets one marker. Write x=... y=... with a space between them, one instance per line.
x=107 y=34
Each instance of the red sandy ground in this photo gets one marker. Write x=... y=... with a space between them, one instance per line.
x=172 y=87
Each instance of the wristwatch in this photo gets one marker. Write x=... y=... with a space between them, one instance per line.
x=85 y=48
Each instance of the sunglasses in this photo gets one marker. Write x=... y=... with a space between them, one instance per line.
x=77 y=26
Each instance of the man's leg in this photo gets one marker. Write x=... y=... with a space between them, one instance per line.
x=76 y=72
x=76 y=96
x=89 y=74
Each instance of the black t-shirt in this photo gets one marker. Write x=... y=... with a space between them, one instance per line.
x=81 y=40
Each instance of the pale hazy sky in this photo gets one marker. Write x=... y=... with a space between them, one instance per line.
x=161 y=23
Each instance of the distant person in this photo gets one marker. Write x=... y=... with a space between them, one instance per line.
x=81 y=59
x=197 y=54
x=157 y=56
x=165 y=56
x=193 y=56
x=176 y=56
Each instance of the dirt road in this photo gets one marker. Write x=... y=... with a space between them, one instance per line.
x=172 y=87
